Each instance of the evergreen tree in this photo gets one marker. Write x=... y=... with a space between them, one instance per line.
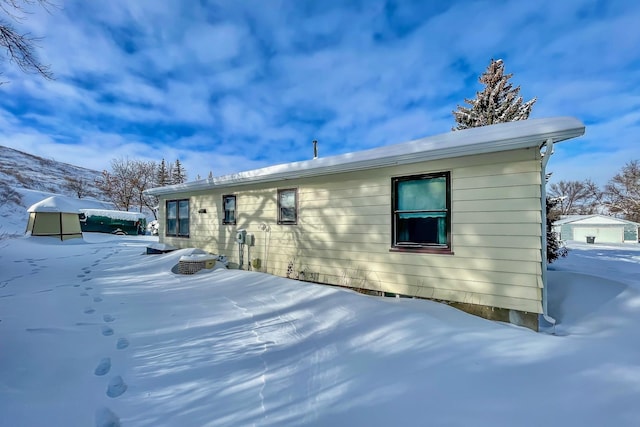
x=162 y=175
x=555 y=249
x=499 y=101
x=179 y=175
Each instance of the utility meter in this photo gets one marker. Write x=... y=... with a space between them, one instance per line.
x=241 y=236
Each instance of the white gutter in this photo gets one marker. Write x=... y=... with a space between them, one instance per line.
x=543 y=238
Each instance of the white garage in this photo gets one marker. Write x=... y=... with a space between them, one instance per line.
x=602 y=228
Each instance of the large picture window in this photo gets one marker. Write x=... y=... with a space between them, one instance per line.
x=421 y=212
x=288 y=206
x=229 y=207
x=178 y=218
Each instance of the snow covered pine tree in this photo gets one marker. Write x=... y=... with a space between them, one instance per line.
x=179 y=175
x=499 y=102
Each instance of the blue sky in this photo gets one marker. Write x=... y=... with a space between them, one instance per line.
x=229 y=85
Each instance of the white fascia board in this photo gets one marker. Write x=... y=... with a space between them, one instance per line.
x=482 y=140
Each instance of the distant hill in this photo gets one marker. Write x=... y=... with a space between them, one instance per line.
x=23 y=170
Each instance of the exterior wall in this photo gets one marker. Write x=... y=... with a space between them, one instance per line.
x=343 y=235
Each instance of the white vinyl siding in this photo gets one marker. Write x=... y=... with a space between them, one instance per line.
x=343 y=231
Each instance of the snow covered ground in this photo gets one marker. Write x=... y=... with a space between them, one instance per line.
x=98 y=333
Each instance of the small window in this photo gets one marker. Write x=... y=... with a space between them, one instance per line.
x=177 y=218
x=421 y=212
x=229 y=207
x=288 y=206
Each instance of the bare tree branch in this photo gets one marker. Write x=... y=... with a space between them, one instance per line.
x=576 y=197
x=622 y=193
x=20 y=48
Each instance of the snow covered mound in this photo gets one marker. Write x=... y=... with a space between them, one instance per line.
x=595 y=288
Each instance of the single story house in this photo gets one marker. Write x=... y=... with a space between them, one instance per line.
x=458 y=217
x=596 y=229
x=54 y=217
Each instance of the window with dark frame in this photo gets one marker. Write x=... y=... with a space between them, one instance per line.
x=229 y=208
x=421 y=210
x=177 y=218
x=288 y=206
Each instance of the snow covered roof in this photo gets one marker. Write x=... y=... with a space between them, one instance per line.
x=55 y=204
x=593 y=219
x=122 y=215
x=60 y=203
x=487 y=139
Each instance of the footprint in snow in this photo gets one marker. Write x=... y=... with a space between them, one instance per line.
x=122 y=343
x=80 y=275
x=106 y=418
x=103 y=367
x=116 y=387
x=84 y=294
x=86 y=279
x=88 y=288
x=108 y=318
x=89 y=310
x=97 y=299
x=107 y=331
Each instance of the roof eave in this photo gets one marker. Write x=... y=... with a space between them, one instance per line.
x=487 y=144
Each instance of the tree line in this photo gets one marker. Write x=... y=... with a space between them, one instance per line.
x=619 y=197
x=125 y=183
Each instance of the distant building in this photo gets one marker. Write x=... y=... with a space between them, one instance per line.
x=596 y=229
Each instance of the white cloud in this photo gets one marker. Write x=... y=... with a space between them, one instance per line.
x=226 y=86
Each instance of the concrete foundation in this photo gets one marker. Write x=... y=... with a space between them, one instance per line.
x=516 y=317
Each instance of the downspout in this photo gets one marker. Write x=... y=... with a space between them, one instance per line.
x=543 y=238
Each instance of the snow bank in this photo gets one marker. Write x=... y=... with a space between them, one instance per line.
x=101 y=334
